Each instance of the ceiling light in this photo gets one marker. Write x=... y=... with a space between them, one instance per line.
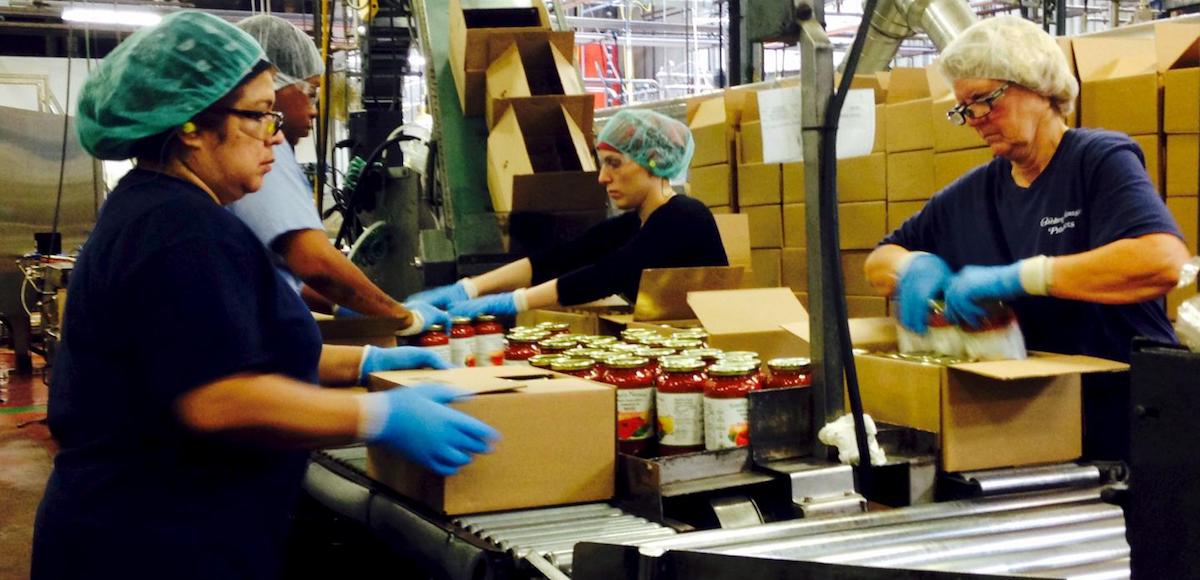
x=134 y=18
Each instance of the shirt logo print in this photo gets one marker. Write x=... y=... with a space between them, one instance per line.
x=1060 y=224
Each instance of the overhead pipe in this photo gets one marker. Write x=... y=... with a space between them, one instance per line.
x=896 y=20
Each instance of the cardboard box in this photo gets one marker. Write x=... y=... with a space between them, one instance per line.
x=881 y=129
x=766 y=226
x=540 y=159
x=766 y=271
x=751 y=319
x=1152 y=146
x=899 y=212
x=711 y=184
x=1183 y=165
x=795 y=270
x=735 y=236
x=1178 y=50
x=710 y=131
x=946 y=135
x=857 y=306
x=750 y=142
x=861 y=225
x=858 y=178
x=372 y=330
x=581 y=322
x=1176 y=297
x=908 y=104
x=1068 y=50
x=910 y=175
x=759 y=184
x=1119 y=87
x=1185 y=211
x=472 y=29
x=558 y=442
x=795 y=229
x=535 y=68
x=721 y=210
x=948 y=167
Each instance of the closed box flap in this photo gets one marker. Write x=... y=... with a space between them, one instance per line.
x=1107 y=58
x=1039 y=365
x=706 y=111
x=741 y=311
x=662 y=292
x=477 y=380
x=1177 y=45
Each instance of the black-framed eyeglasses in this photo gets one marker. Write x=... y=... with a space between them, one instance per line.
x=271 y=122
x=976 y=109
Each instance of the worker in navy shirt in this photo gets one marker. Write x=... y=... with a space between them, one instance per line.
x=640 y=152
x=184 y=393
x=1063 y=224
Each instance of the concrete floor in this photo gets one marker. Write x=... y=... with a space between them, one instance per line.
x=26 y=453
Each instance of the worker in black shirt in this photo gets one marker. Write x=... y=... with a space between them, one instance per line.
x=640 y=152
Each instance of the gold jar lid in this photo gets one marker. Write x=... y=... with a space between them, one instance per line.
x=567 y=365
x=654 y=353
x=627 y=362
x=457 y=320
x=797 y=363
x=435 y=328
x=732 y=369
x=681 y=364
x=543 y=361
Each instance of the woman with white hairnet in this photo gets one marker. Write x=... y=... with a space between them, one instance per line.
x=1063 y=224
x=185 y=391
x=640 y=152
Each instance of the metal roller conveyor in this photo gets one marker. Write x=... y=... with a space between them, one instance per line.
x=1113 y=570
x=1048 y=560
x=1023 y=479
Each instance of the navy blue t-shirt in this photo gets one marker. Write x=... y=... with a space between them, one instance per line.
x=1093 y=192
x=171 y=292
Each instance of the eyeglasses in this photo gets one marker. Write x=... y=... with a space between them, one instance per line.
x=977 y=109
x=269 y=122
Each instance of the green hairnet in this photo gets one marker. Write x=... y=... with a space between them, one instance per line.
x=159 y=78
x=293 y=53
x=655 y=141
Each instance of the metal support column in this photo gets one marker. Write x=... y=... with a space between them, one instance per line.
x=741 y=50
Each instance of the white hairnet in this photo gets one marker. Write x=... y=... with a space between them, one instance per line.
x=288 y=48
x=1012 y=49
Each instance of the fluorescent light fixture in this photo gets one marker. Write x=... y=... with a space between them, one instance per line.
x=111 y=15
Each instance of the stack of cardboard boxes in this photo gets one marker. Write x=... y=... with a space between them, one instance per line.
x=509 y=67
x=1179 y=62
x=759 y=193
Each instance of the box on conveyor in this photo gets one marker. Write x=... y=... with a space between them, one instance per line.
x=534 y=67
x=473 y=24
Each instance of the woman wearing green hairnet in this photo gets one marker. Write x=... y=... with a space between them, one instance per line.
x=640 y=152
x=184 y=391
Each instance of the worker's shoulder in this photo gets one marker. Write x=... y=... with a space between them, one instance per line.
x=686 y=206
x=161 y=212
x=1098 y=140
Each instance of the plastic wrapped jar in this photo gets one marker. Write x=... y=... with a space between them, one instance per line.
x=997 y=338
x=942 y=337
x=489 y=341
x=635 y=403
x=436 y=340
x=462 y=342
x=708 y=355
x=544 y=361
x=520 y=348
x=788 y=372
x=584 y=368
x=727 y=404
x=680 y=405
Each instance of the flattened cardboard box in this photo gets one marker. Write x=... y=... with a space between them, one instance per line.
x=751 y=319
x=557 y=446
x=529 y=67
x=471 y=28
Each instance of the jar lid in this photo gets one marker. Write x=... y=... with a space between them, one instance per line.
x=627 y=362
x=520 y=329
x=658 y=353
x=732 y=369
x=683 y=343
x=691 y=333
x=524 y=338
x=572 y=364
x=681 y=364
x=544 y=361
x=797 y=363
x=557 y=343
x=703 y=352
x=485 y=318
x=650 y=340
x=435 y=328
x=553 y=325
x=460 y=320
x=741 y=354
x=625 y=348
x=598 y=340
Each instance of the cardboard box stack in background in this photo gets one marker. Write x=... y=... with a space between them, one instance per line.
x=710 y=175
x=1179 y=62
x=759 y=192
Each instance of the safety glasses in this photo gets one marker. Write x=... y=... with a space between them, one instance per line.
x=977 y=109
x=269 y=122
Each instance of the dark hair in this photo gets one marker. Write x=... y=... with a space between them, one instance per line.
x=160 y=147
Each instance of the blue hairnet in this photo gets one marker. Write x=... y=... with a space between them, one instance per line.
x=159 y=78
x=655 y=141
x=293 y=53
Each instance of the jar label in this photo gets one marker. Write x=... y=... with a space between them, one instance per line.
x=634 y=414
x=442 y=350
x=680 y=419
x=462 y=352
x=726 y=423
x=489 y=350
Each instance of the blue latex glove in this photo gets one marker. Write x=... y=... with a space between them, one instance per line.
x=974 y=286
x=340 y=311
x=925 y=278
x=425 y=430
x=430 y=314
x=442 y=296
x=502 y=304
x=377 y=359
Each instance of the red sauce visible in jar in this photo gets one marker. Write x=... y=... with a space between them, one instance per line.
x=519 y=349
x=635 y=403
x=727 y=404
x=462 y=342
x=435 y=339
x=680 y=405
x=584 y=368
x=489 y=341
x=789 y=372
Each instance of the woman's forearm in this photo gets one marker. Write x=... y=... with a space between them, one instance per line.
x=339 y=365
x=1122 y=272
x=518 y=274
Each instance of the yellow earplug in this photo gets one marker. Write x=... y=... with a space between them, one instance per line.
x=188 y=127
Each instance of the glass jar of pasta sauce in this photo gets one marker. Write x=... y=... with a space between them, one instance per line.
x=727 y=404
x=519 y=348
x=635 y=403
x=554 y=328
x=489 y=341
x=462 y=342
x=584 y=368
x=553 y=345
x=692 y=334
x=544 y=361
x=788 y=372
x=682 y=344
x=680 y=405
x=654 y=355
x=631 y=335
x=597 y=341
x=436 y=340
x=708 y=355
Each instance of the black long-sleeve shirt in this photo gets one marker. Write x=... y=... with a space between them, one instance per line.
x=609 y=258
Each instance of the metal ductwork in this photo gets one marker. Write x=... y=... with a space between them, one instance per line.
x=895 y=20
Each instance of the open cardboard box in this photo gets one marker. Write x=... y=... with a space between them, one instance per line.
x=540 y=160
x=557 y=446
x=1119 y=84
x=946 y=135
x=908 y=123
x=357 y=331
x=711 y=131
x=1178 y=48
x=473 y=24
x=538 y=67
x=986 y=414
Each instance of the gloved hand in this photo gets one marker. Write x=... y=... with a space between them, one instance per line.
x=340 y=311
x=421 y=426
x=377 y=359
x=429 y=315
x=443 y=296
x=923 y=279
x=977 y=285
x=502 y=304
